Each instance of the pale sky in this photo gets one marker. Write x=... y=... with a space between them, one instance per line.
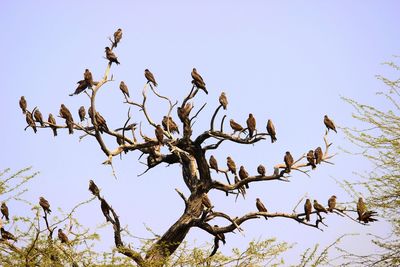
x=285 y=60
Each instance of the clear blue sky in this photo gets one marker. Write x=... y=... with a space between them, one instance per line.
x=285 y=60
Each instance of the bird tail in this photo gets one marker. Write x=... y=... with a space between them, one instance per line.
x=307 y=217
x=55 y=132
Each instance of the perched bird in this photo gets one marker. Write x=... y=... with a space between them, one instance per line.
x=117 y=37
x=260 y=206
x=82 y=85
x=331 y=203
x=243 y=174
x=361 y=208
x=217 y=238
x=82 y=113
x=261 y=170
x=271 y=131
x=168 y=121
x=4 y=211
x=124 y=89
x=45 y=205
x=198 y=80
x=206 y=201
x=231 y=165
x=150 y=77
x=53 y=122
x=318 y=207
x=311 y=159
x=307 y=209
x=111 y=56
x=251 y=125
x=159 y=134
x=66 y=114
x=184 y=112
x=22 y=104
x=63 y=237
x=366 y=217
x=101 y=123
x=7 y=235
x=221 y=236
x=105 y=208
x=213 y=163
x=288 y=161
x=329 y=124
x=30 y=121
x=236 y=127
x=93 y=188
x=87 y=75
x=223 y=100
x=38 y=117
x=318 y=155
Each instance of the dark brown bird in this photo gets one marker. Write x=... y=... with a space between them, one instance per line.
x=361 y=208
x=63 y=237
x=198 y=80
x=82 y=85
x=367 y=217
x=311 y=159
x=271 y=131
x=7 y=235
x=4 y=211
x=53 y=122
x=101 y=123
x=184 y=112
x=82 y=113
x=105 y=208
x=66 y=114
x=45 y=205
x=231 y=165
x=213 y=163
x=307 y=209
x=260 y=206
x=329 y=124
x=223 y=100
x=318 y=155
x=235 y=126
x=38 y=117
x=261 y=170
x=318 y=207
x=30 y=121
x=111 y=56
x=93 y=188
x=22 y=104
x=87 y=76
x=150 y=77
x=206 y=201
x=288 y=161
x=251 y=125
x=243 y=174
x=117 y=37
x=124 y=89
x=168 y=121
x=331 y=203
x=159 y=134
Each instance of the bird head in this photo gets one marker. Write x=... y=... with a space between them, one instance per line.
x=59 y=230
x=315 y=201
x=334 y=196
x=287 y=153
x=326 y=116
x=146 y=70
x=107 y=48
x=194 y=70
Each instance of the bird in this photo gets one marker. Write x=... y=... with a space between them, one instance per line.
x=223 y=100
x=111 y=56
x=261 y=170
x=311 y=159
x=221 y=236
x=101 y=123
x=217 y=238
x=213 y=163
x=30 y=121
x=236 y=127
x=288 y=161
x=159 y=134
x=318 y=155
x=4 y=211
x=307 y=209
x=63 y=237
x=22 y=104
x=7 y=235
x=329 y=124
x=271 y=131
x=231 y=165
x=205 y=201
x=66 y=114
x=198 y=80
x=105 y=208
x=150 y=77
x=184 y=112
x=361 y=208
x=93 y=188
x=38 y=117
x=87 y=75
x=82 y=113
x=45 y=205
x=53 y=122
x=366 y=217
x=331 y=203
x=260 y=206
x=124 y=89
x=243 y=174
x=251 y=124
x=169 y=122
x=318 y=207
x=82 y=85
x=117 y=37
